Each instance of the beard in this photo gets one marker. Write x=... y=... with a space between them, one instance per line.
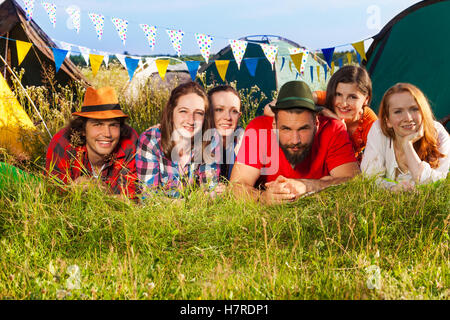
x=296 y=157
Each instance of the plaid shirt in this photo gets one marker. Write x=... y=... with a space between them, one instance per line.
x=156 y=171
x=68 y=163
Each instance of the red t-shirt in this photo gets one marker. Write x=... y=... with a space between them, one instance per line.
x=331 y=148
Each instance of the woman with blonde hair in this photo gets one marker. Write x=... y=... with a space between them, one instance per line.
x=406 y=146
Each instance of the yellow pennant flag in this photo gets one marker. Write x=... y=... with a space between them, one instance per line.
x=349 y=58
x=290 y=65
x=359 y=47
x=96 y=61
x=22 y=50
x=222 y=66
x=162 y=67
x=297 y=59
x=318 y=73
x=332 y=67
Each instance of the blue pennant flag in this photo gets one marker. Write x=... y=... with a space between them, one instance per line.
x=328 y=55
x=283 y=60
x=251 y=64
x=193 y=68
x=340 y=62
x=358 y=57
x=296 y=76
x=311 y=68
x=132 y=65
x=326 y=71
x=59 y=55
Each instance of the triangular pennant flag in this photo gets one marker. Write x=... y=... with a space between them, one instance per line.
x=150 y=33
x=193 y=68
x=176 y=37
x=297 y=60
x=325 y=67
x=121 y=27
x=66 y=46
x=75 y=17
x=162 y=65
x=311 y=68
x=270 y=52
x=85 y=54
x=251 y=64
x=59 y=55
x=290 y=65
x=332 y=68
x=105 y=57
x=99 y=21
x=283 y=60
x=349 y=58
x=328 y=55
x=296 y=76
x=222 y=66
x=318 y=73
x=204 y=43
x=305 y=52
x=358 y=57
x=132 y=65
x=341 y=62
x=29 y=6
x=51 y=11
x=359 y=47
x=22 y=50
x=121 y=59
x=238 y=47
x=96 y=61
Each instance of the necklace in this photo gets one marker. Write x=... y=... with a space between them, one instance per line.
x=94 y=173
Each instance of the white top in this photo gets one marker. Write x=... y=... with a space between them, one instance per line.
x=379 y=157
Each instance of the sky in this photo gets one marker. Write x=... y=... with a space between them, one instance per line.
x=313 y=24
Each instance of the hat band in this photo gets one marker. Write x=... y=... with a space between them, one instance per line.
x=296 y=98
x=101 y=107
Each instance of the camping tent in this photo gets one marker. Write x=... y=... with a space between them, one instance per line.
x=13 y=25
x=266 y=78
x=413 y=48
x=14 y=121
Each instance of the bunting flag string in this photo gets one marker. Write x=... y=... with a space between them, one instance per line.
x=270 y=52
x=22 y=50
x=121 y=27
x=59 y=55
x=96 y=61
x=51 y=12
x=251 y=64
x=193 y=68
x=75 y=16
x=222 y=66
x=238 y=47
x=176 y=37
x=162 y=65
x=150 y=33
x=204 y=43
x=99 y=21
x=29 y=7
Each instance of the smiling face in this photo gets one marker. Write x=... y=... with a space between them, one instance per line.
x=188 y=115
x=227 y=110
x=296 y=133
x=102 y=136
x=404 y=115
x=349 y=102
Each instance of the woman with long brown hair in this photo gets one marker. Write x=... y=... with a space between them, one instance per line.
x=175 y=154
x=406 y=145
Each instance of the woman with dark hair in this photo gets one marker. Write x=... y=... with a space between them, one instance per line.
x=406 y=146
x=174 y=155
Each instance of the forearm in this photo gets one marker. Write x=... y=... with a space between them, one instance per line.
x=412 y=160
x=315 y=185
x=241 y=190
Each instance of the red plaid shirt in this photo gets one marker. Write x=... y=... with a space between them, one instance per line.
x=68 y=163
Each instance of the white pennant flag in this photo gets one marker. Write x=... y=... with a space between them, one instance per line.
x=121 y=58
x=85 y=52
x=238 y=47
x=105 y=57
x=66 y=46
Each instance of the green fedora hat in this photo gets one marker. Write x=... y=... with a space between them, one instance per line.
x=295 y=94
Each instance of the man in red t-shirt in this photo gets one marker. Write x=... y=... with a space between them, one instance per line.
x=294 y=153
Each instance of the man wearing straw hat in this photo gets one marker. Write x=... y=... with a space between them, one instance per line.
x=97 y=144
x=294 y=153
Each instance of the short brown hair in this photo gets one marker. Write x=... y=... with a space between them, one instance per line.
x=349 y=74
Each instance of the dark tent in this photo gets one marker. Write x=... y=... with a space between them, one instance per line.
x=413 y=48
x=13 y=25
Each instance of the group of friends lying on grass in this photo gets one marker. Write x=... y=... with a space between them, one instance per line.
x=294 y=149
